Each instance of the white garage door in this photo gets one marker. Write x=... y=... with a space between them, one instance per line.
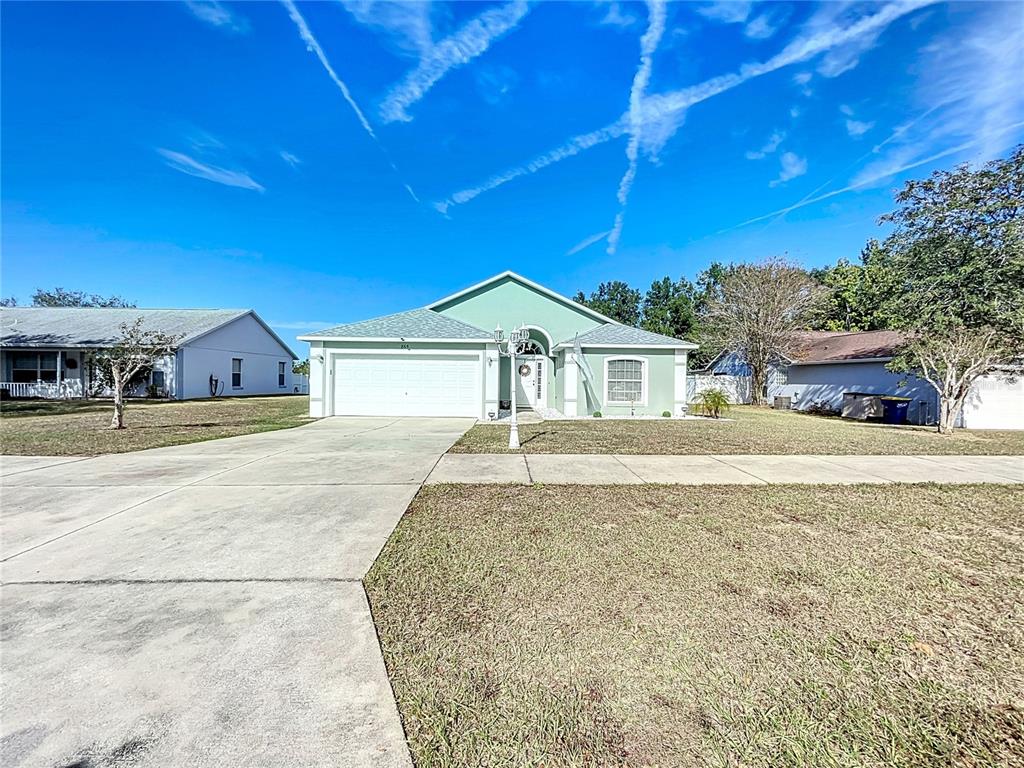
x=407 y=385
x=995 y=403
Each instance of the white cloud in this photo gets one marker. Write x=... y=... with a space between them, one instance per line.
x=470 y=41
x=726 y=11
x=189 y=165
x=882 y=175
x=664 y=114
x=587 y=242
x=289 y=158
x=616 y=17
x=761 y=27
x=768 y=147
x=857 y=128
x=314 y=47
x=970 y=85
x=496 y=83
x=648 y=45
x=217 y=15
x=792 y=167
x=802 y=78
x=407 y=24
x=571 y=148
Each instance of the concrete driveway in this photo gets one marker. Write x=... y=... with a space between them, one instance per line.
x=201 y=605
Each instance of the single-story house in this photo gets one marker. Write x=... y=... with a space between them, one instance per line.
x=830 y=365
x=444 y=359
x=44 y=352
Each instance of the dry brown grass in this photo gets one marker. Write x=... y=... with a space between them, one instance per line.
x=749 y=430
x=667 y=626
x=81 y=427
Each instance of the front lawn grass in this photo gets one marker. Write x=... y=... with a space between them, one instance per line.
x=749 y=430
x=82 y=427
x=723 y=626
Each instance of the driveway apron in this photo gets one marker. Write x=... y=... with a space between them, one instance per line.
x=202 y=605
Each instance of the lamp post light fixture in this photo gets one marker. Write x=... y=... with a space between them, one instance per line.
x=513 y=346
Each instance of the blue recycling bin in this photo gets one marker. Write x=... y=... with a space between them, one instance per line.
x=894 y=410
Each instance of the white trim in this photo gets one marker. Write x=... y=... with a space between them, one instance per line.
x=679 y=384
x=645 y=375
x=551 y=342
x=397 y=339
x=570 y=385
x=530 y=284
x=680 y=345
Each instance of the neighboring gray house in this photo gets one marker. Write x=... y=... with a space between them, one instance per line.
x=830 y=365
x=44 y=352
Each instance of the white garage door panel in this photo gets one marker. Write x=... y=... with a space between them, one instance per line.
x=995 y=403
x=420 y=385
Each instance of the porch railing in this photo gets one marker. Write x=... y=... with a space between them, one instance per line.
x=49 y=390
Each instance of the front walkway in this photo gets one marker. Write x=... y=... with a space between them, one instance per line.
x=605 y=469
x=202 y=604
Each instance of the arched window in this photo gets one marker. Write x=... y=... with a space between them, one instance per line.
x=531 y=347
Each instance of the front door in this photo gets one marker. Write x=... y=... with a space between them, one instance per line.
x=531 y=386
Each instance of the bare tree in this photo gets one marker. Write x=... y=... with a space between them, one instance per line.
x=136 y=350
x=951 y=360
x=757 y=309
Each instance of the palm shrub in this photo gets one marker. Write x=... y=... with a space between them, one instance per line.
x=713 y=403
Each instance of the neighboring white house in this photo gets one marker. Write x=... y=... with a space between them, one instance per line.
x=832 y=365
x=44 y=352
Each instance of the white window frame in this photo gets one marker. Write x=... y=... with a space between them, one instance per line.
x=282 y=374
x=241 y=381
x=645 y=375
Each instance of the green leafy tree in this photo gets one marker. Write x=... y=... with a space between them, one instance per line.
x=668 y=308
x=59 y=297
x=10 y=301
x=958 y=248
x=616 y=300
x=858 y=296
x=301 y=368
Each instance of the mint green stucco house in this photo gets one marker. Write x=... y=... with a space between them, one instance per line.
x=443 y=360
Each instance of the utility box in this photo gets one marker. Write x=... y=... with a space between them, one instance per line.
x=862 y=406
x=782 y=403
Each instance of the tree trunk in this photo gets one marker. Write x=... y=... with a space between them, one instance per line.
x=949 y=410
x=117 y=421
x=757 y=379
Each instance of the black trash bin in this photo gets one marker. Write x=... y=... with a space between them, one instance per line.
x=895 y=409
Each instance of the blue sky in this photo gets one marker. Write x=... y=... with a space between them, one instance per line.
x=325 y=162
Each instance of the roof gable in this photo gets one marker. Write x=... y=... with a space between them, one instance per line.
x=510 y=300
x=90 y=327
x=509 y=276
x=412 y=324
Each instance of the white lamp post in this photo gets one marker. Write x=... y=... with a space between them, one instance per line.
x=516 y=338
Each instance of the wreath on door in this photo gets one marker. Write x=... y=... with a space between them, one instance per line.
x=524 y=370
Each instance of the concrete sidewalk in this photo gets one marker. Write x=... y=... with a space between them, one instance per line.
x=610 y=469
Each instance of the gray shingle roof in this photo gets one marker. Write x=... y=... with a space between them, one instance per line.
x=624 y=335
x=97 y=327
x=413 y=324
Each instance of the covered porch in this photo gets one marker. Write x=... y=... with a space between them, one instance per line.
x=52 y=374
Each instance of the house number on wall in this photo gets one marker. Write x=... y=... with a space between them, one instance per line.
x=404 y=346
